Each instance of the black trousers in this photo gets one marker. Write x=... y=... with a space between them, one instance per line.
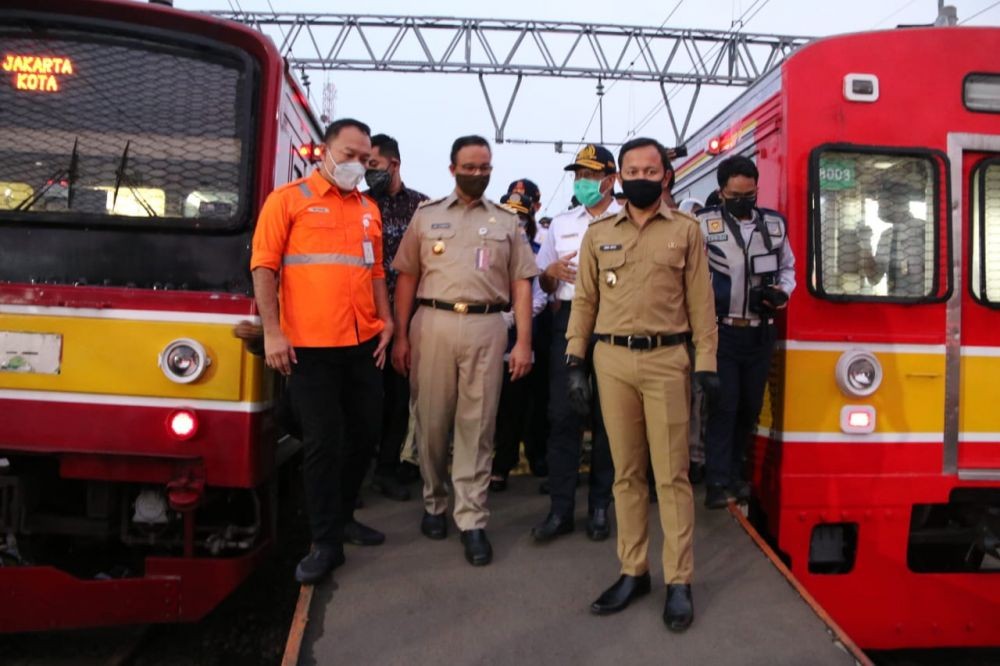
x=522 y=413
x=744 y=359
x=336 y=393
x=395 y=417
x=566 y=432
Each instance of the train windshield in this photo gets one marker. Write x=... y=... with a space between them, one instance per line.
x=120 y=130
x=876 y=225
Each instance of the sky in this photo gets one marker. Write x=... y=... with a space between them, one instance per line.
x=426 y=112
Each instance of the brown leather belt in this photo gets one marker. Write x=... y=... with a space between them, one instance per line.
x=463 y=308
x=644 y=342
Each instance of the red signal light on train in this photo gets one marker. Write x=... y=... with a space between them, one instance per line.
x=182 y=424
x=305 y=151
x=714 y=146
x=312 y=152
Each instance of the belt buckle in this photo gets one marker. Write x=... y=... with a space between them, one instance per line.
x=460 y=308
x=740 y=323
x=647 y=338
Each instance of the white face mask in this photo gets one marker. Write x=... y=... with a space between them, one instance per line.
x=346 y=175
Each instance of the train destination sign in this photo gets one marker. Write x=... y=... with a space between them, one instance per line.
x=37 y=73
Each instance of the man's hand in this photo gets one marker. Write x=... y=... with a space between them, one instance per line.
x=710 y=385
x=401 y=355
x=562 y=268
x=775 y=298
x=579 y=391
x=279 y=354
x=520 y=361
x=384 y=338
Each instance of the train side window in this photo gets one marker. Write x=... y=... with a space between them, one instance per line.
x=876 y=225
x=985 y=273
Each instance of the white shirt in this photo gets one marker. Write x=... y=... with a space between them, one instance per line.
x=564 y=236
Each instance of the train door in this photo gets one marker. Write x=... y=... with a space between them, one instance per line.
x=974 y=436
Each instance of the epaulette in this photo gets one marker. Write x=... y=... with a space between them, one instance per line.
x=505 y=207
x=604 y=216
x=430 y=202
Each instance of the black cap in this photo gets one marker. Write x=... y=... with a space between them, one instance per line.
x=522 y=195
x=593 y=156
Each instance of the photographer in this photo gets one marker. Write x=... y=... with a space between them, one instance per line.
x=753 y=275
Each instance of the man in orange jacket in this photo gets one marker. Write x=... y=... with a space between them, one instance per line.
x=327 y=329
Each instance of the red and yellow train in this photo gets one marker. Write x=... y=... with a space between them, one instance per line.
x=137 y=455
x=876 y=464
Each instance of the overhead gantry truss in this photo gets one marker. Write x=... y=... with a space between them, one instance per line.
x=512 y=47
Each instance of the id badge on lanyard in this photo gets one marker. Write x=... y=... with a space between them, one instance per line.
x=367 y=249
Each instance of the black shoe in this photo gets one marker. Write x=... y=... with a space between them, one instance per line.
x=362 y=535
x=390 y=487
x=543 y=488
x=498 y=484
x=696 y=473
x=554 y=525
x=407 y=473
x=434 y=527
x=678 y=612
x=597 y=525
x=478 y=550
x=741 y=491
x=715 y=497
x=320 y=561
x=618 y=596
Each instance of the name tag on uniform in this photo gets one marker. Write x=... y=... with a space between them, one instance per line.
x=715 y=238
x=569 y=235
x=319 y=209
x=441 y=225
x=610 y=248
x=482 y=258
x=774 y=228
x=368 y=251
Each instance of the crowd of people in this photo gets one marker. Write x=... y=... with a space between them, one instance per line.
x=439 y=335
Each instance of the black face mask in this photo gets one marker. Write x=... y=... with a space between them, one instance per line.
x=741 y=207
x=472 y=186
x=378 y=181
x=641 y=193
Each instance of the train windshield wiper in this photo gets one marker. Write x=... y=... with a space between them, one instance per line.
x=122 y=177
x=70 y=173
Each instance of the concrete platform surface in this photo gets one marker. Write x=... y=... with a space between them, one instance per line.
x=416 y=602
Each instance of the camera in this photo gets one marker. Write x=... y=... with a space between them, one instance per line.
x=764 y=299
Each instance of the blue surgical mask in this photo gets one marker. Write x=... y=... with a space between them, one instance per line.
x=588 y=192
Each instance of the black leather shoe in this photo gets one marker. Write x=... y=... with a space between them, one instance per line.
x=320 y=561
x=478 y=550
x=554 y=525
x=696 y=473
x=741 y=491
x=434 y=527
x=498 y=484
x=715 y=497
x=678 y=612
x=388 y=486
x=618 y=596
x=597 y=525
x=362 y=535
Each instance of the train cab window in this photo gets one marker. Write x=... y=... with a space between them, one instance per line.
x=123 y=129
x=874 y=226
x=985 y=273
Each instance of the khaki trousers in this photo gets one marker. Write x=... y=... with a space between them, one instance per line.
x=646 y=405
x=455 y=378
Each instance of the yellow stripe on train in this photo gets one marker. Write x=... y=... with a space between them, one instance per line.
x=119 y=356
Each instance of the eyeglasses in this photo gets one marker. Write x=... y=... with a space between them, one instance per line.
x=475 y=169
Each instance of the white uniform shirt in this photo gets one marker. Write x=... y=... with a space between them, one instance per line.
x=786 y=260
x=565 y=235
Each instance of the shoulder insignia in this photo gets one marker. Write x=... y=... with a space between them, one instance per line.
x=505 y=207
x=430 y=202
x=605 y=216
x=715 y=226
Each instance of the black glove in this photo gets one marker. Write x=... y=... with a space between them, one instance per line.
x=579 y=386
x=710 y=385
x=774 y=297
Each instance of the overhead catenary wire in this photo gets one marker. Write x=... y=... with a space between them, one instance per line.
x=979 y=13
x=898 y=10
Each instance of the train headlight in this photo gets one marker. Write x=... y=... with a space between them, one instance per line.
x=184 y=361
x=859 y=373
x=182 y=424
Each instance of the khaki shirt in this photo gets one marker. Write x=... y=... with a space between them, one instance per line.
x=468 y=254
x=652 y=280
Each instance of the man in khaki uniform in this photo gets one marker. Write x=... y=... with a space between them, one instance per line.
x=643 y=287
x=463 y=257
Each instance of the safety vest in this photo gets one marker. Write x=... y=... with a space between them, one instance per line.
x=732 y=262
